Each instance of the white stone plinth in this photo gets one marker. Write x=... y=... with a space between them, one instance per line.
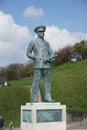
x=43 y=116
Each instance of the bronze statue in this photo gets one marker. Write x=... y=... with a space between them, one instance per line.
x=40 y=51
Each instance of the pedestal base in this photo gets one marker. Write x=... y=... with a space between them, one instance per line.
x=43 y=116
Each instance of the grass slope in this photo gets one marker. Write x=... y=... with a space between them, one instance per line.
x=69 y=86
x=11 y=98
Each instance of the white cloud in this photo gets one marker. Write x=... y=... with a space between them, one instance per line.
x=59 y=38
x=32 y=12
x=12 y=38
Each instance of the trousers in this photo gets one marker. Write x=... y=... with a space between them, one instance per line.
x=1 y=128
x=37 y=73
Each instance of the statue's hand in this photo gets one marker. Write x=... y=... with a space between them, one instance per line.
x=37 y=58
x=50 y=59
x=47 y=61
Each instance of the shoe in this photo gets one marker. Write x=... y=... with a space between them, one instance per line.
x=35 y=101
x=49 y=101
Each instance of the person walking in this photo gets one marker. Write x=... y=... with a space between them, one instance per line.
x=10 y=125
x=1 y=122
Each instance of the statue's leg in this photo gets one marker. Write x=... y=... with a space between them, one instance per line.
x=36 y=84
x=47 y=84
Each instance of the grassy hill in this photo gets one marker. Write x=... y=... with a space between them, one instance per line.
x=11 y=98
x=69 y=86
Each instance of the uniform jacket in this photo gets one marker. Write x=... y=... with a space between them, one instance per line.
x=39 y=50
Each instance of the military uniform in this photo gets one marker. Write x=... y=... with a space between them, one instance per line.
x=40 y=51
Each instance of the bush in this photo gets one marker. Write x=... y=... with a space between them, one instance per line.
x=63 y=55
x=81 y=47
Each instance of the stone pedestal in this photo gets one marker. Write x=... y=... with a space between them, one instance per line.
x=43 y=116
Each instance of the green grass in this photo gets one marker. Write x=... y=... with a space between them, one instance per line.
x=11 y=99
x=69 y=86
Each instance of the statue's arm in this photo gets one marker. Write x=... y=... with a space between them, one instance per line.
x=29 y=51
x=51 y=54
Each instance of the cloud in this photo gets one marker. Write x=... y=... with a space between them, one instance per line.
x=32 y=12
x=12 y=38
x=59 y=38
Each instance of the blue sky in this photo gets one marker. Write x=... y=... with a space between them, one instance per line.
x=66 y=22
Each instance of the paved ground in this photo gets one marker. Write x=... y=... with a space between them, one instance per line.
x=77 y=128
x=73 y=126
x=78 y=125
x=14 y=129
x=68 y=128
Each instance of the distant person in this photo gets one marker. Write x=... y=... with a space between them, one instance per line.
x=41 y=52
x=10 y=125
x=1 y=123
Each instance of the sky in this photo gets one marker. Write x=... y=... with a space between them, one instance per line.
x=65 y=21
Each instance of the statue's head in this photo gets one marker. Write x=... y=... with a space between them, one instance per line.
x=40 y=29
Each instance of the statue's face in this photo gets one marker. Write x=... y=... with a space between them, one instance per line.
x=40 y=34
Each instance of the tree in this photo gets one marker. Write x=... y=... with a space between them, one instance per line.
x=81 y=47
x=63 y=55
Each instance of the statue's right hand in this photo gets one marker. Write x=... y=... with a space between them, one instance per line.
x=37 y=58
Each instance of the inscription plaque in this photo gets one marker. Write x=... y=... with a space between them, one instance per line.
x=26 y=116
x=53 y=115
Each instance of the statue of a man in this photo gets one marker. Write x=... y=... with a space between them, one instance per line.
x=40 y=51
